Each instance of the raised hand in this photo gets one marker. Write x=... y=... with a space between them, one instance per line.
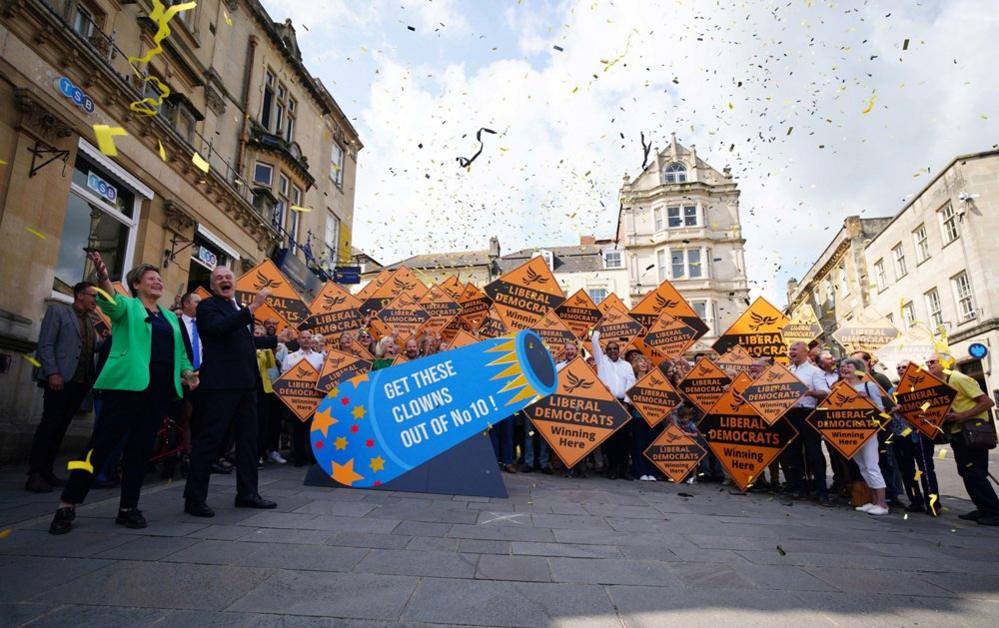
x=259 y=298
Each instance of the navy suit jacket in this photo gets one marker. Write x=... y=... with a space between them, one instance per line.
x=228 y=347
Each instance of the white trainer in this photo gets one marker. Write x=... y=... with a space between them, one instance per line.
x=877 y=511
x=865 y=508
x=275 y=456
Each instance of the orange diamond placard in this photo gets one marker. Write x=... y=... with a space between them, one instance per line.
x=846 y=420
x=337 y=367
x=736 y=360
x=525 y=294
x=493 y=326
x=923 y=399
x=296 y=388
x=612 y=302
x=618 y=327
x=670 y=336
x=441 y=308
x=774 y=392
x=579 y=313
x=675 y=453
x=740 y=438
x=666 y=298
x=654 y=397
x=401 y=282
x=757 y=330
x=474 y=307
x=555 y=334
x=579 y=416
x=333 y=312
x=404 y=315
x=284 y=299
x=704 y=384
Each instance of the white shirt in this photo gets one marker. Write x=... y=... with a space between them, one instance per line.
x=561 y=365
x=813 y=377
x=617 y=376
x=192 y=325
x=315 y=358
x=831 y=378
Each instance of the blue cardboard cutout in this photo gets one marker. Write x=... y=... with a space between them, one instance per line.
x=374 y=427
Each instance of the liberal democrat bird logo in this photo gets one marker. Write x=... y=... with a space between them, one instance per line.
x=402 y=286
x=330 y=301
x=664 y=303
x=263 y=281
x=736 y=404
x=577 y=382
x=839 y=398
x=670 y=436
x=773 y=376
x=301 y=371
x=918 y=379
x=759 y=320
x=534 y=277
x=335 y=362
x=702 y=370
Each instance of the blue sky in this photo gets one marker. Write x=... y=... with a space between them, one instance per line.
x=815 y=106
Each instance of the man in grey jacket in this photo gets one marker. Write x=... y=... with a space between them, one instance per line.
x=66 y=345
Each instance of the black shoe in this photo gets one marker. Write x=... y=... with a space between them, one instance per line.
x=988 y=520
x=526 y=469
x=131 y=518
x=37 y=484
x=915 y=507
x=628 y=476
x=825 y=500
x=217 y=468
x=254 y=501
x=62 y=522
x=974 y=515
x=198 y=509
x=612 y=475
x=546 y=470
x=53 y=480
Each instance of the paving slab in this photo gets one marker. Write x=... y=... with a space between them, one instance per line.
x=516 y=568
x=418 y=563
x=22 y=578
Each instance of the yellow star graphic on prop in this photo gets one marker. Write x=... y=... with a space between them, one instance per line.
x=377 y=463
x=357 y=379
x=323 y=420
x=332 y=394
x=345 y=474
x=340 y=443
x=359 y=412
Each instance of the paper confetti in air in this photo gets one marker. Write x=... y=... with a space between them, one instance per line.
x=228 y=20
x=35 y=363
x=299 y=208
x=942 y=454
x=5 y=533
x=105 y=138
x=36 y=233
x=161 y=16
x=163 y=154
x=199 y=163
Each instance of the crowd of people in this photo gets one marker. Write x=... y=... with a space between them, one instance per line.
x=210 y=365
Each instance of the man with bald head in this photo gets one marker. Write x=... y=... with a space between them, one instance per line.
x=229 y=368
x=618 y=376
x=808 y=440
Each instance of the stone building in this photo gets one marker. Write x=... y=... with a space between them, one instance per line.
x=230 y=91
x=679 y=220
x=935 y=261
x=837 y=286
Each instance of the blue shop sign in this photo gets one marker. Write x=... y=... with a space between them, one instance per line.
x=102 y=187
x=74 y=93
x=977 y=350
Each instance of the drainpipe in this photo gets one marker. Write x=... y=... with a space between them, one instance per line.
x=245 y=98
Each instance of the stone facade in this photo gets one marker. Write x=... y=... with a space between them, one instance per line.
x=236 y=78
x=679 y=220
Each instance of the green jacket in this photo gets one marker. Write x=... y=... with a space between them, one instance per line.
x=127 y=367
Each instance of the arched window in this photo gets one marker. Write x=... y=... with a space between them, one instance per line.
x=675 y=173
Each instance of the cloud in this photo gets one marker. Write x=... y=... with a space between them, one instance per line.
x=775 y=91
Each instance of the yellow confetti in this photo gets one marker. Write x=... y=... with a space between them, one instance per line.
x=3 y=162
x=228 y=20
x=82 y=465
x=299 y=208
x=575 y=89
x=5 y=533
x=35 y=363
x=933 y=501
x=907 y=431
x=161 y=16
x=199 y=163
x=870 y=104
x=105 y=138
x=36 y=232
x=926 y=404
x=104 y=294
x=162 y=151
x=919 y=474
x=942 y=454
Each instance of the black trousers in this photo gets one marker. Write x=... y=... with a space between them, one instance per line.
x=135 y=416
x=215 y=412
x=973 y=467
x=301 y=446
x=909 y=455
x=811 y=443
x=57 y=413
x=617 y=447
x=641 y=437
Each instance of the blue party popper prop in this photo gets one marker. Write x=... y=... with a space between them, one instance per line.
x=374 y=427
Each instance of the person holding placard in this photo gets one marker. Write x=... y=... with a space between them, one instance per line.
x=618 y=376
x=813 y=377
x=852 y=372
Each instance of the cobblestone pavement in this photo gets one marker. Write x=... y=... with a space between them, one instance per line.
x=557 y=552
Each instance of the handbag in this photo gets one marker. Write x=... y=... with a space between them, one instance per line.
x=979 y=434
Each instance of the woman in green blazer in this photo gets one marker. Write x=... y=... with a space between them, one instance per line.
x=140 y=380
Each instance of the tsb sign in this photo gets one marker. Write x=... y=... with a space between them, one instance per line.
x=75 y=94
x=102 y=187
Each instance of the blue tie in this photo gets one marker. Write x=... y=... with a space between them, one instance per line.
x=196 y=345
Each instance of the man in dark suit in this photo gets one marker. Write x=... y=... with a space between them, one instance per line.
x=67 y=342
x=228 y=393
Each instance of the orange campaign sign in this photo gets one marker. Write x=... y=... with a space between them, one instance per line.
x=923 y=399
x=284 y=299
x=297 y=389
x=493 y=326
x=676 y=453
x=402 y=281
x=404 y=315
x=554 y=334
x=360 y=350
x=333 y=312
x=441 y=308
x=869 y=332
x=803 y=327
x=846 y=420
x=265 y=313
x=452 y=286
x=618 y=327
x=579 y=313
x=757 y=330
x=461 y=339
x=376 y=282
x=736 y=360
x=704 y=384
x=654 y=356
x=670 y=336
x=525 y=294
x=774 y=392
x=740 y=438
x=612 y=302
x=474 y=307
x=654 y=397
x=666 y=298
x=202 y=292
x=579 y=416
x=337 y=367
